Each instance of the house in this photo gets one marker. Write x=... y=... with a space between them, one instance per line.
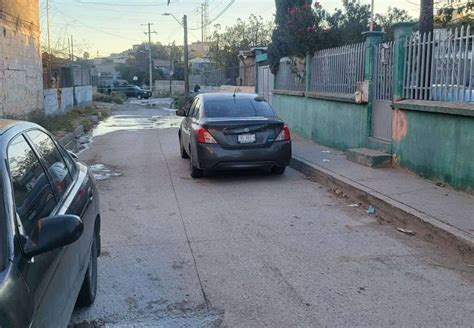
x=198 y=49
x=201 y=64
x=247 y=61
x=21 y=81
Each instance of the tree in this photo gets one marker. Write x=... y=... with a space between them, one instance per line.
x=225 y=45
x=392 y=16
x=296 y=30
x=455 y=14
x=86 y=55
x=138 y=63
x=346 y=25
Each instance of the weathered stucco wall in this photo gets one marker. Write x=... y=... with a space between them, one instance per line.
x=59 y=101
x=83 y=95
x=335 y=124
x=21 y=84
x=436 y=146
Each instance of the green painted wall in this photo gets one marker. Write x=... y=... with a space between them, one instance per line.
x=437 y=146
x=334 y=124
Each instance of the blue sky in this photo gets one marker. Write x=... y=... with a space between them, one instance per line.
x=106 y=26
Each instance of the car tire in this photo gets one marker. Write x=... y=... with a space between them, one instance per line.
x=182 y=151
x=139 y=96
x=278 y=170
x=195 y=172
x=89 y=285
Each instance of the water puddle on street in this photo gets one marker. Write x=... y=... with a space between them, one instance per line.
x=130 y=123
x=135 y=123
x=101 y=172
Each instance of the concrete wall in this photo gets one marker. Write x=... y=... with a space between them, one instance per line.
x=21 y=84
x=435 y=145
x=232 y=88
x=162 y=86
x=59 y=101
x=83 y=95
x=335 y=124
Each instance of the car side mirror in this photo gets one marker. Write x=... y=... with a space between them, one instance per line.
x=180 y=112
x=53 y=232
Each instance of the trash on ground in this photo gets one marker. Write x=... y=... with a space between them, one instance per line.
x=371 y=210
x=338 y=192
x=326 y=151
x=326 y=160
x=406 y=231
x=353 y=205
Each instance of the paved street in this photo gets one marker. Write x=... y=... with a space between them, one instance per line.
x=250 y=249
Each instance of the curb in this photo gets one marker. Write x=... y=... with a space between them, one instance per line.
x=427 y=226
x=69 y=141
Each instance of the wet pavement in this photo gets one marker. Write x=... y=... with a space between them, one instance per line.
x=249 y=249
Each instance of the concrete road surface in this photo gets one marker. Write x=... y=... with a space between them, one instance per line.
x=250 y=249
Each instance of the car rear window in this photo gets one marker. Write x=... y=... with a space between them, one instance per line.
x=237 y=108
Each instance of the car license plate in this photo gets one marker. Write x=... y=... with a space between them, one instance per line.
x=246 y=138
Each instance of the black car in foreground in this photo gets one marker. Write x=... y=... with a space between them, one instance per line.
x=49 y=229
x=233 y=131
x=133 y=91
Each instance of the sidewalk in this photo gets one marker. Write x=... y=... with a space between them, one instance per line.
x=412 y=201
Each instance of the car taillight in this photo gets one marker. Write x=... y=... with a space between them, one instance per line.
x=284 y=134
x=203 y=136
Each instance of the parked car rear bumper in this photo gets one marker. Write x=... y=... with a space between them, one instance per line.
x=214 y=157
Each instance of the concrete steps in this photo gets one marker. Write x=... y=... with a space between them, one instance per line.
x=369 y=157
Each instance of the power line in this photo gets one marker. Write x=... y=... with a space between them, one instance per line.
x=216 y=17
x=96 y=29
x=121 y=4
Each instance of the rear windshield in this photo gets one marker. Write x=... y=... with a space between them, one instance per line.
x=237 y=108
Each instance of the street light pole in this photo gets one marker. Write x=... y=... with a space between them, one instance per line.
x=184 y=24
x=186 y=57
x=150 y=60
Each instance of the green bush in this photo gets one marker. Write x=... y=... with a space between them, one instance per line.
x=180 y=101
x=67 y=122
x=117 y=98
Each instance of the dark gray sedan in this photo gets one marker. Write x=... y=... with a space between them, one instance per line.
x=233 y=131
x=49 y=229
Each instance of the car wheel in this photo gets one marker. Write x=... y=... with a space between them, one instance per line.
x=139 y=96
x=278 y=169
x=89 y=286
x=182 y=151
x=195 y=172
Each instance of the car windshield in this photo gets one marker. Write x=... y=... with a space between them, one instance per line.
x=237 y=108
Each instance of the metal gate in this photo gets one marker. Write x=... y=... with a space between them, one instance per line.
x=383 y=92
x=266 y=82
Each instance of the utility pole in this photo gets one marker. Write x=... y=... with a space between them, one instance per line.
x=426 y=16
x=186 y=57
x=69 y=48
x=202 y=24
x=171 y=67
x=72 y=48
x=372 y=16
x=49 y=39
x=150 y=60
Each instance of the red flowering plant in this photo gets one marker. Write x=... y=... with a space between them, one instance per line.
x=296 y=29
